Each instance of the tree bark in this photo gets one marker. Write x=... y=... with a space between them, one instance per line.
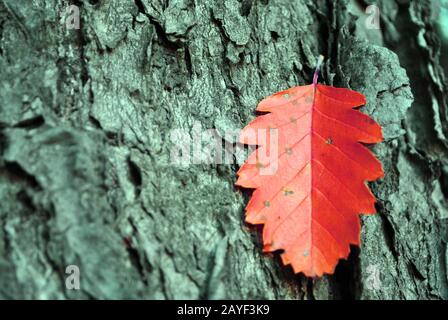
x=86 y=176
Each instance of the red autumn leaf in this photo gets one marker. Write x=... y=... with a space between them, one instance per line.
x=311 y=190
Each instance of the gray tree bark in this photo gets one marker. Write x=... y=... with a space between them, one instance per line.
x=85 y=119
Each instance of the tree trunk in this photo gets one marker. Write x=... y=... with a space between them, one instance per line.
x=86 y=171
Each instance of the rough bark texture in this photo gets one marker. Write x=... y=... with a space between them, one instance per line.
x=85 y=121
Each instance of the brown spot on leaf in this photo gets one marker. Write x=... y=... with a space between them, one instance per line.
x=260 y=165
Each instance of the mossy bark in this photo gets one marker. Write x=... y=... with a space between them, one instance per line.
x=85 y=119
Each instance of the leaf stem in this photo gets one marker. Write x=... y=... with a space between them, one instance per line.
x=316 y=73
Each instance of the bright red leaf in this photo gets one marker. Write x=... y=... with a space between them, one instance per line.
x=310 y=203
